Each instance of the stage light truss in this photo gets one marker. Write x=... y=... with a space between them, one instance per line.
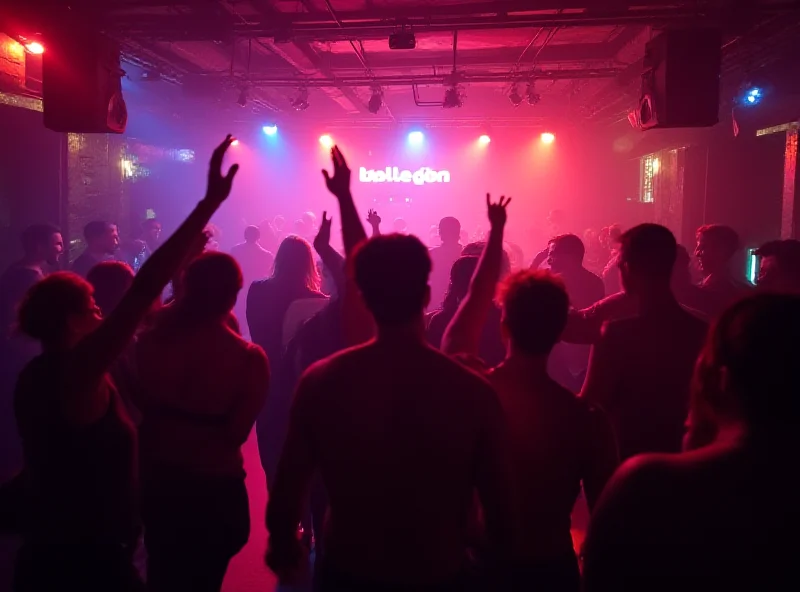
x=429 y=79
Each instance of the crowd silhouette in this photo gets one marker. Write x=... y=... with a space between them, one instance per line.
x=427 y=419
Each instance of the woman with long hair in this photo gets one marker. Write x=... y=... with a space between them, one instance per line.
x=460 y=275
x=276 y=307
x=78 y=442
x=202 y=387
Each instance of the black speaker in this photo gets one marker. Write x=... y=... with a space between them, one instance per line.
x=680 y=83
x=81 y=82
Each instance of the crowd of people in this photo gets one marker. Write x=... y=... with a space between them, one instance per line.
x=426 y=418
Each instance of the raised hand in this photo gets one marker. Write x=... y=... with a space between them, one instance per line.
x=497 y=211
x=372 y=218
x=323 y=238
x=339 y=183
x=219 y=186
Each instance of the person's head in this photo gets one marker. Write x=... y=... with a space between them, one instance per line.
x=211 y=284
x=460 y=275
x=294 y=263
x=110 y=280
x=252 y=234
x=101 y=237
x=535 y=306
x=716 y=245
x=310 y=220
x=391 y=272
x=42 y=242
x=614 y=235
x=780 y=266
x=565 y=253
x=449 y=230
x=59 y=310
x=475 y=249
x=151 y=231
x=556 y=218
x=399 y=225
x=747 y=372
x=646 y=259
x=278 y=222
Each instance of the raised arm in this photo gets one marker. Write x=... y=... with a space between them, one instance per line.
x=463 y=334
x=375 y=221
x=357 y=322
x=93 y=355
x=332 y=260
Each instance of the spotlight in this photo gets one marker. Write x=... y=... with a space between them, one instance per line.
x=270 y=130
x=452 y=98
x=416 y=138
x=531 y=94
x=484 y=139
x=34 y=47
x=375 y=101
x=514 y=96
x=326 y=141
x=548 y=138
x=242 y=100
x=300 y=102
x=235 y=143
x=753 y=96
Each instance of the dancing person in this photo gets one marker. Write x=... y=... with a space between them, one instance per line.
x=443 y=257
x=374 y=220
x=102 y=242
x=717 y=515
x=202 y=387
x=404 y=449
x=460 y=274
x=79 y=444
x=558 y=442
x=780 y=266
x=641 y=367
x=256 y=263
x=716 y=247
x=110 y=280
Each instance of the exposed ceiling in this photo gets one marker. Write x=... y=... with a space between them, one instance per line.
x=583 y=57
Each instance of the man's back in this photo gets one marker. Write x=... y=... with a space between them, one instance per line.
x=640 y=373
x=402 y=436
x=255 y=261
x=442 y=258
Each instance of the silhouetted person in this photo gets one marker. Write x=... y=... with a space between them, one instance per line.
x=111 y=280
x=400 y=466
x=42 y=246
x=780 y=266
x=79 y=444
x=256 y=263
x=202 y=389
x=102 y=242
x=641 y=367
x=460 y=275
x=716 y=246
x=294 y=286
x=443 y=257
x=557 y=440
x=716 y=517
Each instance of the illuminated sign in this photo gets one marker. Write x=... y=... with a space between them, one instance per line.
x=398 y=175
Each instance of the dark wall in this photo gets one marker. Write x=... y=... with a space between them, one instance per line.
x=30 y=177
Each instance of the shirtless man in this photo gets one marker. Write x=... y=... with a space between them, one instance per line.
x=641 y=367
x=399 y=461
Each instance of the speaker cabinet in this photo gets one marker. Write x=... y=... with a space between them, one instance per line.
x=680 y=83
x=81 y=82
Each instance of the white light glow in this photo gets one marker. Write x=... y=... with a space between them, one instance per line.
x=35 y=47
x=656 y=166
x=416 y=138
x=548 y=138
x=270 y=130
x=484 y=139
x=326 y=141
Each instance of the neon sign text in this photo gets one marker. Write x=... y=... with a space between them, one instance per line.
x=397 y=175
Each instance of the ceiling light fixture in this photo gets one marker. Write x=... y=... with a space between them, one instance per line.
x=242 y=100
x=375 y=101
x=531 y=94
x=452 y=97
x=514 y=96
x=300 y=101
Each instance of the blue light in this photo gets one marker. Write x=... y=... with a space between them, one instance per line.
x=416 y=138
x=270 y=130
x=753 y=96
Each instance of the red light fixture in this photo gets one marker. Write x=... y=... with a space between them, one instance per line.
x=34 y=47
x=548 y=138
